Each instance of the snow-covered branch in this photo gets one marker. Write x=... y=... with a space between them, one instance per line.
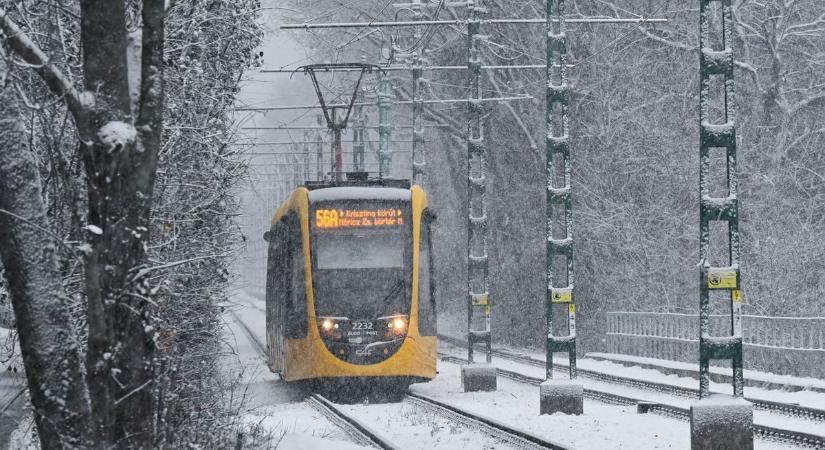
x=79 y=104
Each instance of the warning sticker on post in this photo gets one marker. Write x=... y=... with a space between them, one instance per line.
x=736 y=296
x=562 y=295
x=721 y=278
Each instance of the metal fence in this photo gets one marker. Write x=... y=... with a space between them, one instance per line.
x=785 y=345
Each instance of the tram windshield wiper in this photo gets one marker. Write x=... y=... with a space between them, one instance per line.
x=398 y=286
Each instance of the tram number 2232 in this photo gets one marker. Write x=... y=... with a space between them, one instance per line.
x=362 y=325
x=326 y=218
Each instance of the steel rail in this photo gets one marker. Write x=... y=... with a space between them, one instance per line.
x=356 y=430
x=13 y=399
x=787 y=409
x=256 y=343
x=494 y=428
x=359 y=432
x=762 y=431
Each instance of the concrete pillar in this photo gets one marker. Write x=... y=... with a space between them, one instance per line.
x=561 y=396
x=721 y=422
x=478 y=377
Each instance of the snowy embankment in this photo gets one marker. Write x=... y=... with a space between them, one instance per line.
x=766 y=418
x=601 y=426
x=804 y=398
x=752 y=377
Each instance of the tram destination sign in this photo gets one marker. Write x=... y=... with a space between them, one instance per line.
x=332 y=219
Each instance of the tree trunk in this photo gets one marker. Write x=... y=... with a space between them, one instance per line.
x=50 y=350
x=120 y=172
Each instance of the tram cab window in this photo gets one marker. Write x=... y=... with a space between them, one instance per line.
x=361 y=270
x=426 y=297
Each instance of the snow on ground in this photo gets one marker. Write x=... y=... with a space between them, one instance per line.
x=803 y=398
x=760 y=417
x=293 y=441
x=271 y=405
x=788 y=380
x=412 y=427
x=600 y=427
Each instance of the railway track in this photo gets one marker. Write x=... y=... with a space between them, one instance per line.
x=355 y=429
x=522 y=439
x=498 y=430
x=766 y=432
x=363 y=435
x=254 y=340
x=13 y=399
x=681 y=391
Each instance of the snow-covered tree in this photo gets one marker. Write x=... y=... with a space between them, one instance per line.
x=104 y=262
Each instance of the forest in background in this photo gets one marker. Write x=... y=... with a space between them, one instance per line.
x=635 y=143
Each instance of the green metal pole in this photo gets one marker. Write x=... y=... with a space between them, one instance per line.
x=716 y=64
x=385 y=99
x=419 y=159
x=319 y=152
x=477 y=264
x=559 y=195
x=358 y=138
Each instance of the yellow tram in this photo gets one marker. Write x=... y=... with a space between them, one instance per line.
x=349 y=284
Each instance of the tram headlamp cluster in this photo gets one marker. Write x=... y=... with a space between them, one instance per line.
x=396 y=326
x=329 y=327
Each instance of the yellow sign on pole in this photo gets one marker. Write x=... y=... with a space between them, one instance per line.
x=561 y=295
x=721 y=278
x=480 y=300
x=736 y=295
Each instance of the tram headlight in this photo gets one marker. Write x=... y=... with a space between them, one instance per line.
x=328 y=326
x=396 y=326
x=399 y=324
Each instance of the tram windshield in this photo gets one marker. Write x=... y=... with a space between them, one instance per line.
x=361 y=258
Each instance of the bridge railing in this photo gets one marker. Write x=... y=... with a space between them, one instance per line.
x=785 y=345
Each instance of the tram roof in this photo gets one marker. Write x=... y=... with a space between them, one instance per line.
x=359 y=193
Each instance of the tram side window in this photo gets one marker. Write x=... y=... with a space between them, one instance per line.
x=299 y=293
x=272 y=282
x=276 y=281
x=426 y=297
x=296 y=319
